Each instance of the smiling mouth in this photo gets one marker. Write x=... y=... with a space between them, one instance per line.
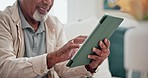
x=43 y=10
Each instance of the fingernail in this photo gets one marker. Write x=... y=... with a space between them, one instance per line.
x=101 y=42
x=105 y=39
x=72 y=41
x=94 y=48
x=88 y=56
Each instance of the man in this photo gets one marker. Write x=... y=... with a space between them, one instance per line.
x=32 y=44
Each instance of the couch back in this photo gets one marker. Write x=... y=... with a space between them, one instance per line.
x=116 y=57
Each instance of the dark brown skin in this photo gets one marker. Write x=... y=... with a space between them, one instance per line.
x=28 y=8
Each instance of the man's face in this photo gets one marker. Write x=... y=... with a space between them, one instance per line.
x=37 y=9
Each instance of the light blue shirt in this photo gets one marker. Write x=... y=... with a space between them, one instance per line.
x=34 y=41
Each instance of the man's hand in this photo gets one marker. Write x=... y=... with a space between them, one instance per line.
x=66 y=52
x=101 y=55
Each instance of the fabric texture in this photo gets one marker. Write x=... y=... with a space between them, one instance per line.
x=34 y=41
x=116 y=57
x=12 y=63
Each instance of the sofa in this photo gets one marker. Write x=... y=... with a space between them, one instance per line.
x=116 y=57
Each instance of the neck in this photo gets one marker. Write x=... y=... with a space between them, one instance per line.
x=33 y=24
x=30 y=20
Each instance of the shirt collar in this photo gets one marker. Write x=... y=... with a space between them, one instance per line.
x=26 y=25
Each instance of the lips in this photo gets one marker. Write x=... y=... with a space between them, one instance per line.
x=42 y=10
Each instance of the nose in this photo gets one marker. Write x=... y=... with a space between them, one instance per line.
x=48 y=2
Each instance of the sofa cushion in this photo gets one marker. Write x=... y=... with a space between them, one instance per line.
x=116 y=57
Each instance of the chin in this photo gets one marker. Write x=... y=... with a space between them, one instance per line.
x=40 y=17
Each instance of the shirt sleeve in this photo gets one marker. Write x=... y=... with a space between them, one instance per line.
x=12 y=67
x=76 y=72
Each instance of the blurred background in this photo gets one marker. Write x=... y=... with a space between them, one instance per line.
x=76 y=10
x=129 y=52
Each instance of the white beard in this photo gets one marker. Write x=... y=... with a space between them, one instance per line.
x=40 y=17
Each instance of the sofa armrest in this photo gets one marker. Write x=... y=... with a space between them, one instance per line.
x=116 y=57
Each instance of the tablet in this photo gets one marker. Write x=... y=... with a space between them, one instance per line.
x=105 y=28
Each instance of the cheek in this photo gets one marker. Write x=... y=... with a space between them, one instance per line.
x=32 y=9
x=33 y=5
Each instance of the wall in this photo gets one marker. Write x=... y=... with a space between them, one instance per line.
x=4 y=3
x=59 y=8
x=79 y=10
